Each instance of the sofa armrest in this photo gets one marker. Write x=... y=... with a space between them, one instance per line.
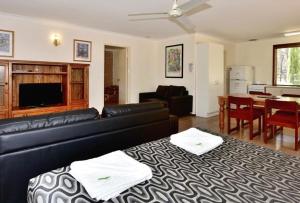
x=181 y=105
x=146 y=95
x=173 y=124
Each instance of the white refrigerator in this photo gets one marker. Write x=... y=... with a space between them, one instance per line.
x=240 y=78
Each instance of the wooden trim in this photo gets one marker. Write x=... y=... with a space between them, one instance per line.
x=10 y=84
x=289 y=45
x=86 y=85
x=274 y=70
x=5 y=87
x=275 y=47
x=49 y=63
x=69 y=86
x=37 y=111
x=38 y=73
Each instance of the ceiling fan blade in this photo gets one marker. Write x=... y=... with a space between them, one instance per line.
x=192 y=4
x=145 y=19
x=147 y=14
x=197 y=9
x=184 y=23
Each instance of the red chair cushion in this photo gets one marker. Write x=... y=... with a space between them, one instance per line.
x=245 y=113
x=283 y=117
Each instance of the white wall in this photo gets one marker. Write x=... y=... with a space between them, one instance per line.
x=190 y=42
x=188 y=57
x=260 y=55
x=146 y=58
x=32 y=42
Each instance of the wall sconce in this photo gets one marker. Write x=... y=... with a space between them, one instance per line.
x=56 y=39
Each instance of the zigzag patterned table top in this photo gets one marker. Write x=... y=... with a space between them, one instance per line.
x=234 y=172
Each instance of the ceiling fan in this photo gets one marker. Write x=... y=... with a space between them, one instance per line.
x=178 y=14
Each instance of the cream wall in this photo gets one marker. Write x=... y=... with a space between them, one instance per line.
x=190 y=42
x=32 y=43
x=188 y=57
x=260 y=55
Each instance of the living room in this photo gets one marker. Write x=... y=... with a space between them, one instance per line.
x=146 y=55
x=48 y=34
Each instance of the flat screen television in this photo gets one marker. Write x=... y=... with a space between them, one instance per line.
x=40 y=94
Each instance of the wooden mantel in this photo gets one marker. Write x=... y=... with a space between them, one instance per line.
x=74 y=78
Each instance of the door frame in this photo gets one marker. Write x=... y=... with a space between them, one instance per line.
x=127 y=68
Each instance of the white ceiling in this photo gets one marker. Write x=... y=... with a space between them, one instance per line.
x=236 y=20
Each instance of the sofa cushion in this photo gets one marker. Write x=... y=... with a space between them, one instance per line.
x=176 y=91
x=118 y=110
x=162 y=92
x=48 y=120
x=157 y=100
x=81 y=130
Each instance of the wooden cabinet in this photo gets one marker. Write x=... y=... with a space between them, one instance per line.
x=79 y=86
x=72 y=77
x=4 y=114
x=37 y=111
x=3 y=90
x=35 y=73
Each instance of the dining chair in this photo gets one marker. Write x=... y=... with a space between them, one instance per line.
x=241 y=108
x=281 y=113
x=258 y=107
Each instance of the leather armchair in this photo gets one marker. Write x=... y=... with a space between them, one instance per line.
x=176 y=98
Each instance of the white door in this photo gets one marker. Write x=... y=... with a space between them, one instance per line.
x=122 y=76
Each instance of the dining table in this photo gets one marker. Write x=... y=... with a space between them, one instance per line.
x=258 y=100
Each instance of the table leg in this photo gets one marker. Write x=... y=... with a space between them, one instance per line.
x=221 y=113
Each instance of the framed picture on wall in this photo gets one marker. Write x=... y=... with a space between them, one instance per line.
x=82 y=50
x=6 y=43
x=174 y=61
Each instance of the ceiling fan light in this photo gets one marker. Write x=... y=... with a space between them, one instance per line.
x=175 y=12
x=289 y=34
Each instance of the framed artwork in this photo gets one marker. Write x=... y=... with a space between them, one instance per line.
x=6 y=43
x=174 y=61
x=82 y=50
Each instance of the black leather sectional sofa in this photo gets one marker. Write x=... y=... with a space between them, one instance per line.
x=34 y=145
x=176 y=98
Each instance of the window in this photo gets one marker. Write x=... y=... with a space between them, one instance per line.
x=286 y=64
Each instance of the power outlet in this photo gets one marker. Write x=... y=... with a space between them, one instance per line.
x=191 y=67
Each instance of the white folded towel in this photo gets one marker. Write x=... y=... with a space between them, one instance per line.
x=196 y=141
x=107 y=176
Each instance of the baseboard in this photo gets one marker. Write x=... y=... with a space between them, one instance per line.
x=208 y=115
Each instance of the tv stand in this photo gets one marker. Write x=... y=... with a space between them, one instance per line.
x=73 y=77
x=38 y=111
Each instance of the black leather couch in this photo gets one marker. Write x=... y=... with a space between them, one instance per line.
x=176 y=98
x=34 y=145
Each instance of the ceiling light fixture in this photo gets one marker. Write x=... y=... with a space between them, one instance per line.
x=289 y=34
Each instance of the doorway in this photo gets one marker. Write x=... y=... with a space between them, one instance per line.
x=115 y=75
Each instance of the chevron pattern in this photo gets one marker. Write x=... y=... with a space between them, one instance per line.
x=234 y=172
